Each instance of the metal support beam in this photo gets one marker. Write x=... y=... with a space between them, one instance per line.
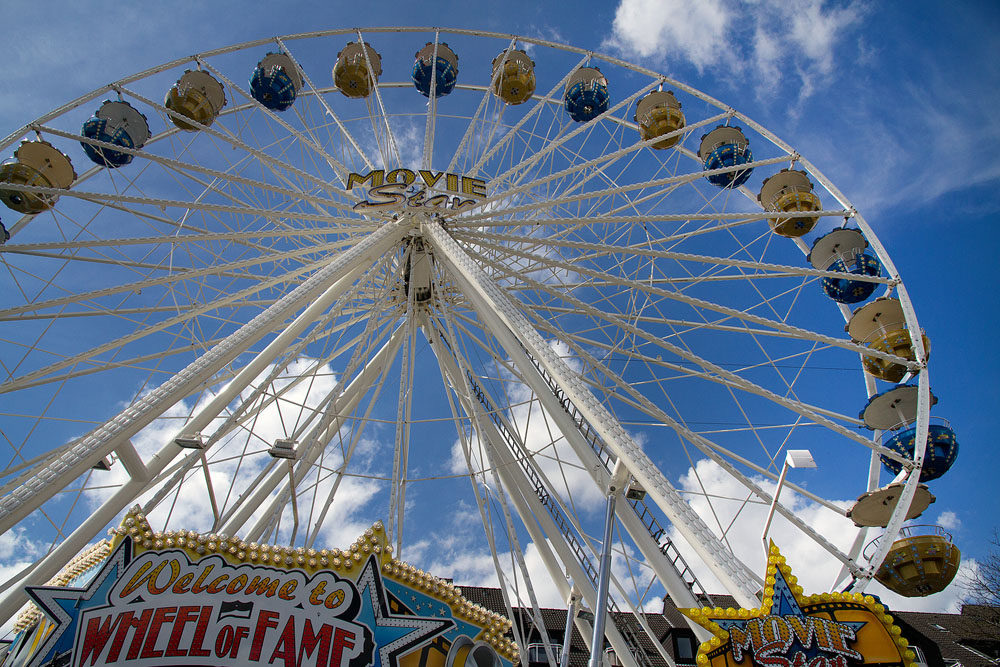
x=319 y=291
x=492 y=303
x=314 y=443
x=571 y=608
x=534 y=515
x=601 y=612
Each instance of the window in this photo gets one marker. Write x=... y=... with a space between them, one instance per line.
x=685 y=648
x=920 y=658
x=536 y=653
x=612 y=657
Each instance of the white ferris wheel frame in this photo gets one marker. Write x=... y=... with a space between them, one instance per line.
x=39 y=479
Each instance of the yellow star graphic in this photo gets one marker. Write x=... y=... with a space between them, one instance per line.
x=791 y=629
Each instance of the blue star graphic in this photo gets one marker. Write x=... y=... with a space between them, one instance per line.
x=395 y=634
x=65 y=604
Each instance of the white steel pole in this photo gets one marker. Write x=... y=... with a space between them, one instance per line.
x=604 y=577
x=572 y=604
x=770 y=511
x=486 y=297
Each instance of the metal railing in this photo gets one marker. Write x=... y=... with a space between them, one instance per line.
x=920 y=530
x=649 y=520
x=545 y=498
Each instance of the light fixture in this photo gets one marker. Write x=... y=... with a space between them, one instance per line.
x=103 y=464
x=794 y=458
x=799 y=458
x=634 y=491
x=190 y=441
x=283 y=448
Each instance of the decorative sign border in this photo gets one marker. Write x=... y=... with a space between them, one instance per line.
x=182 y=598
x=790 y=629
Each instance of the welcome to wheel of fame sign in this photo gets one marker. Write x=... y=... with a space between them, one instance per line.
x=184 y=599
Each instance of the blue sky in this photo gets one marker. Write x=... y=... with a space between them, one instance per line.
x=895 y=103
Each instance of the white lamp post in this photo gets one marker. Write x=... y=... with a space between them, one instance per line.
x=794 y=458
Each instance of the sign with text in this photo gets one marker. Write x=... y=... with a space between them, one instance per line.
x=795 y=630
x=400 y=189
x=181 y=599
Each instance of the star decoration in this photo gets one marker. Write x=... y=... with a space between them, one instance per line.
x=438 y=614
x=65 y=604
x=795 y=630
x=395 y=634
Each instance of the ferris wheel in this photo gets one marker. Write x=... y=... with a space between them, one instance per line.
x=467 y=284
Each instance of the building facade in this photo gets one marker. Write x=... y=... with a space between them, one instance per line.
x=968 y=639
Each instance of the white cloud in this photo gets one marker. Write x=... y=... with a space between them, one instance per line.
x=554 y=457
x=917 y=131
x=16 y=543
x=238 y=457
x=775 y=41
x=814 y=29
x=949 y=521
x=694 y=30
x=354 y=493
x=17 y=551
x=814 y=567
x=953 y=127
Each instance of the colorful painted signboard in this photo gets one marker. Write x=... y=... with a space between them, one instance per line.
x=180 y=598
x=795 y=630
x=401 y=189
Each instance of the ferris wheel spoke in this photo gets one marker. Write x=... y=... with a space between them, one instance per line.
x=461 y=267
x=527 y=504
x=324 y=425
x=348 y=453
x=185 y=168
x=95 y=366
x=253 y=405
x=333 y=420
x=620 y=190
x=738 y=218
x=583 y=170
x=277 y=166
x=309 y=141
x=713 y=368
x=719 y=454
x=326 y=107
x=481 y=501
x=567 y=508
x=103 y=197
x=698 y=304
x=431 y=123
x=325 y=329
x=692 y=369
x=649 y=249
x=203 y=237
x=478 y=117
x=516 y=175
x=180 y=276
x=135 y=363
x=296 y=194
x=540 y=103
x=14 y=505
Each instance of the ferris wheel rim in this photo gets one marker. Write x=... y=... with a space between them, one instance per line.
x=734 y=114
